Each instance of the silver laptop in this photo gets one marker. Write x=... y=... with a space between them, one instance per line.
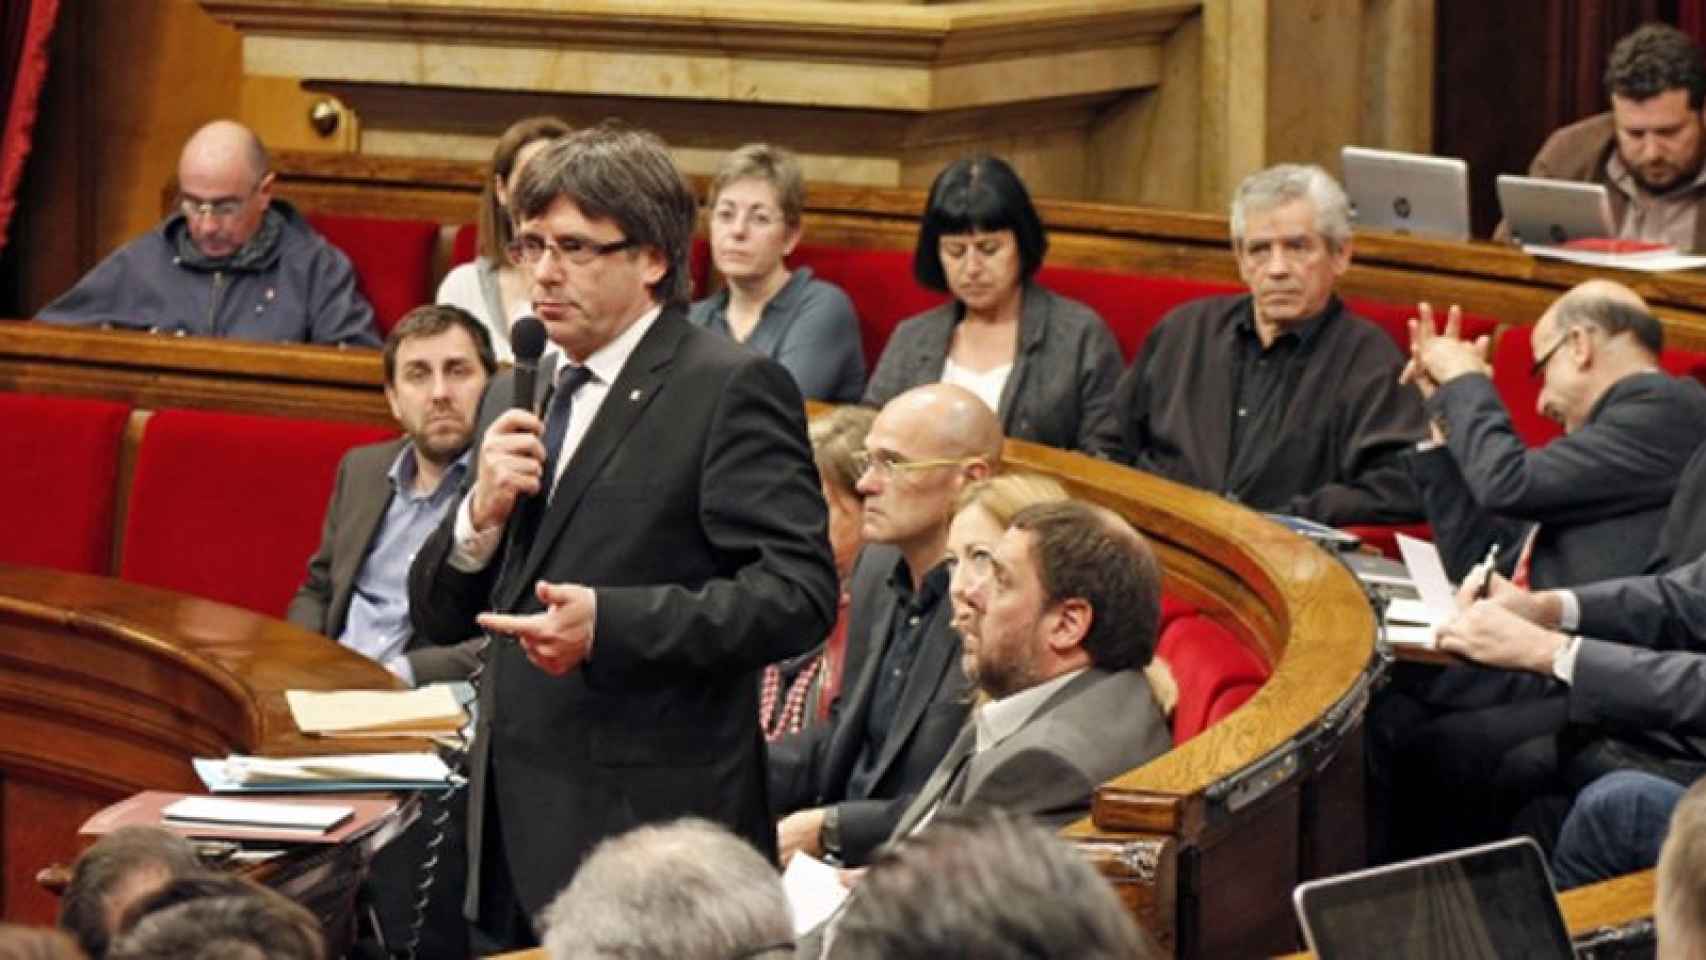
x=1551 y=212
x=1480 y=903
x=1407 y=192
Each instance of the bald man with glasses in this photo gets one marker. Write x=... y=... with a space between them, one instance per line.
x=1586 y=507
x=843 y=786
x=230 y=261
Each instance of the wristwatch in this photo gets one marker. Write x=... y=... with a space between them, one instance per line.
x=829 y=834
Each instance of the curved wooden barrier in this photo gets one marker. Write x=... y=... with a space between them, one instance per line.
x=107 y=688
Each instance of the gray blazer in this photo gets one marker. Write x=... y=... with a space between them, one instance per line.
x=353 y=518
x=1098 y=726
x=1061 y=390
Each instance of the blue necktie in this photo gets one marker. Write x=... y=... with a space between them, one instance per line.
x=569 y=381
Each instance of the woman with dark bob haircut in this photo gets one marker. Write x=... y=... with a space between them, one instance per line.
x=1046 y=364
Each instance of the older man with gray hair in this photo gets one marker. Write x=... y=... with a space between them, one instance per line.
x=1282 y=398
x=688 y=890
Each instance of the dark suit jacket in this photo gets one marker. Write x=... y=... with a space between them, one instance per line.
x=1579 y=152
x=360 y=497
x=1599 y=493
x=811 y=768
x=1337 y=455
x=1096 y=727
x=692 y=508
x=1061 y=389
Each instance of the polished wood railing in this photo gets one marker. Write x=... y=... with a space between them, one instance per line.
x=107 y=688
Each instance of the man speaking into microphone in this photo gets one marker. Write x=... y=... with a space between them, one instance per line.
x=639 y=549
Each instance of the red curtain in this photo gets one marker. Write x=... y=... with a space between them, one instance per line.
x=25 y=26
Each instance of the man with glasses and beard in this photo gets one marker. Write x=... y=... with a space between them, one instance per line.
x=230 y=261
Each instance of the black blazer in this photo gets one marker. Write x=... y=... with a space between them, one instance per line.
x=692 y=508
x=812 y=767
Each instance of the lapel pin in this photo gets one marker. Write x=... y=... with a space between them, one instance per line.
x=635 y=396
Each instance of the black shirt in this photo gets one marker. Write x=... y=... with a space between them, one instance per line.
x=905 y=635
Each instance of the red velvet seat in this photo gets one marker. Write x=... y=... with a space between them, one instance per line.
x=466 y=244
x=1215 y=672
x=1131 y=304
x=228 y=506
x=59 y=487
x=880 y=284
x=392 y=260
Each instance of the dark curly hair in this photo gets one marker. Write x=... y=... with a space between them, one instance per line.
x=1654 y=58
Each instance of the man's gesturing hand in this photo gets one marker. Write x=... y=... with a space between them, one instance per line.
x=558 y=637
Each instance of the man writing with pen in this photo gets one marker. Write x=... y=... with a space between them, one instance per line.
x=1587 y=506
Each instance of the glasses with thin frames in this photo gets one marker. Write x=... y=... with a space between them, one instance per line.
x=1537 y=370
x=528 y=251
x=889 y=465
x=223 y=209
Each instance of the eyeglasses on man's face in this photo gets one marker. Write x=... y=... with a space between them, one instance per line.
x=223 y=208
x=887 y=464
x=527 y=251
x=1537 y=370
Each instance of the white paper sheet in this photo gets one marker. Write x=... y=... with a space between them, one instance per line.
x=814 y=891
x=1421 y=558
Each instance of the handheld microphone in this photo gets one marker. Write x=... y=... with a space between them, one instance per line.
x=527 y=338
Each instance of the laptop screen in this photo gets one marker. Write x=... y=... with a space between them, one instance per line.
x=1488 y=902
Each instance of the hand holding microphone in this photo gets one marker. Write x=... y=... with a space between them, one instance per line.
x=512 y=455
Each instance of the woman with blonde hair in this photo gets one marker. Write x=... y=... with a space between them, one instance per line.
x=798 y=693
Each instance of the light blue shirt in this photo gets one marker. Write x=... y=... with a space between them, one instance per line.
x=378 y=623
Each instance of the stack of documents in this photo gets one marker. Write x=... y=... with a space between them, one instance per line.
x=334 y=773
x=429 y=711
x=244 y=820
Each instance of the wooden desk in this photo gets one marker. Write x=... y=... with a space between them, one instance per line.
x=107 y=688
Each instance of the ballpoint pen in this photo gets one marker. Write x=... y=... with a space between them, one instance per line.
x=1487 y=572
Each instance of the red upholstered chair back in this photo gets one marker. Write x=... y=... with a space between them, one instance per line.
x=880 y=284
x=229 y=507
x=392 y=260
x=1513 y=355
x=58 y=489
x=1215 y=671
x=465 y=246
x=1684 y=363
x=1130 y=304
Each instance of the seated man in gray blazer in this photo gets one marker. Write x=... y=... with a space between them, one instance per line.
x=1058 y=618
x=389 y=496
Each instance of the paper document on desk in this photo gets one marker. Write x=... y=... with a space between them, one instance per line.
x=426 y=711
x=1652 y=261
x=814 y=891
x=345 y=772
x=1413 y=621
